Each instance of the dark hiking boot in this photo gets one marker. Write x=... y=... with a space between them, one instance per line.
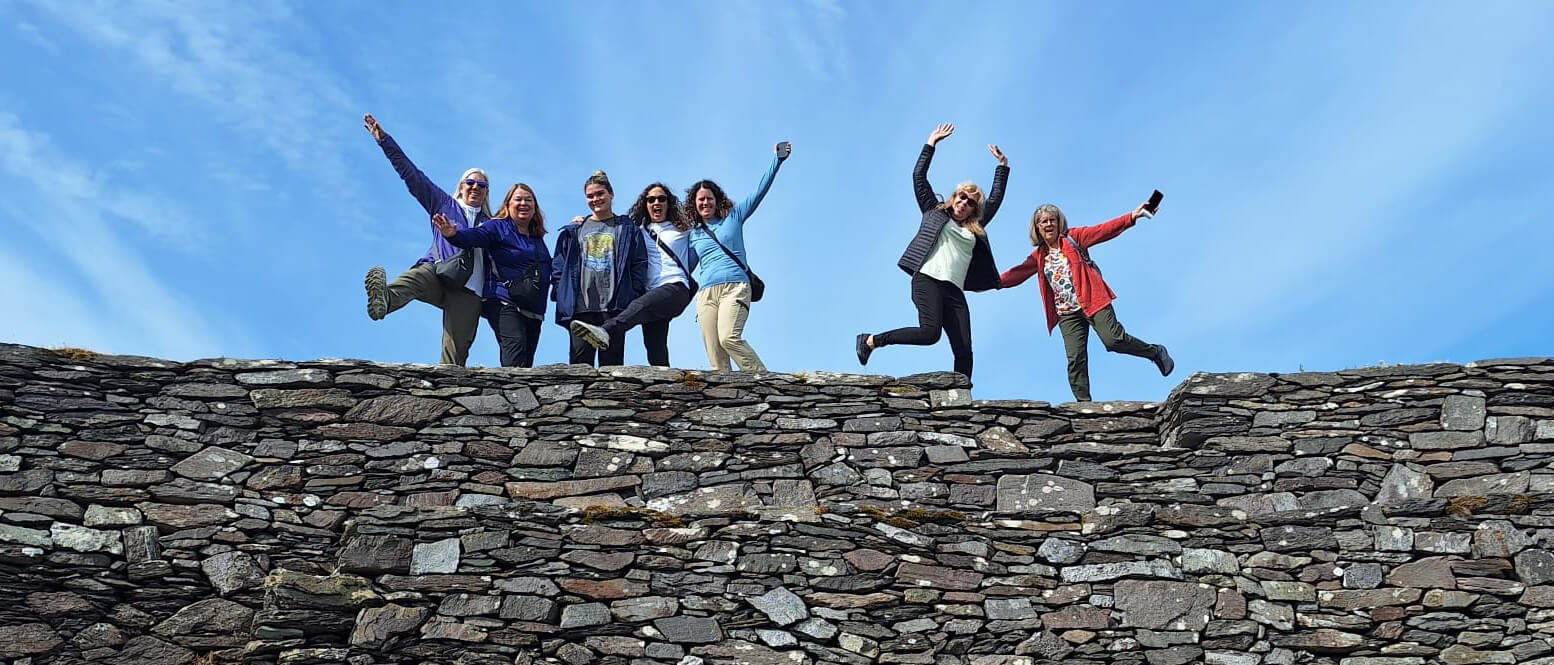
x=1163 y=361
x=863 y=349
x=377 y=294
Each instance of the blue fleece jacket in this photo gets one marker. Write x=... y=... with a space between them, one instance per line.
x=715 y=265
x=431 y=197
x=512 y=255
x=631 y=269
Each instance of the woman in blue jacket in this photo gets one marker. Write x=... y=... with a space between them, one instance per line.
x=600 y=266
x=433 y=279
x=518 y=281
x=718 y=238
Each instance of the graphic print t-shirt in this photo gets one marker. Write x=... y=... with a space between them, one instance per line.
x=597 y=279
x=1061 y=279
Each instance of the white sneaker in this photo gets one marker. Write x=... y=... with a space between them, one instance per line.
x=591 y=333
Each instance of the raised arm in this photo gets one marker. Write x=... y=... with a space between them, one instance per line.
x=995 y=197
x=926 y=199
x=1017 y=275
x=747 y=207
x=485 y=236
x=427 y=193
x=1094 y=235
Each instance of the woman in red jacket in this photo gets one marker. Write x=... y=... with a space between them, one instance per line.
x=1075 y=296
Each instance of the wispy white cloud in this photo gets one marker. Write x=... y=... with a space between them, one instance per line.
x=34 y=36
x=107 y=292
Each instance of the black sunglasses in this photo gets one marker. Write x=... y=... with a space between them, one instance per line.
x=479 y=184
x=657 y=199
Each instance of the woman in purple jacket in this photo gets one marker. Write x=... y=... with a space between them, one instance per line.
x=518 y=281
x=447 y=288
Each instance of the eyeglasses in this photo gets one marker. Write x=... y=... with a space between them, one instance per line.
x=478 y=184
x=657 y=199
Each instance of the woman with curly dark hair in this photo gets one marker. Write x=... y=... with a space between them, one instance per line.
x=670 y=287
x=718 y=238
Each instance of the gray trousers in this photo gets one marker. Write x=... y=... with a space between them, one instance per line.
x=460 y=308
x=1076 y=338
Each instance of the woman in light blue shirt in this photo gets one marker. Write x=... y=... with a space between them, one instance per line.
x=718 y=238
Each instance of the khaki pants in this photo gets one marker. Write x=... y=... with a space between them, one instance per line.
x=721 y=310
x=1076 y=337
x=460 y=308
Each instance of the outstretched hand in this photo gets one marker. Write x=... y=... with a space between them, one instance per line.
x=372 y=127
x=940 y=133
x=445 y=227
x=1142 y=212
x=998 y=154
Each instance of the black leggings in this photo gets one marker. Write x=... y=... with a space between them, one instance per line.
x=940 y=306
x=517 y=335
x=653 y=311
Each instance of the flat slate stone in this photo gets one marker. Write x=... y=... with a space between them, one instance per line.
x=1042 y=493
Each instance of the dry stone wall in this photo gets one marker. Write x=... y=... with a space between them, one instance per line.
x=222 y=511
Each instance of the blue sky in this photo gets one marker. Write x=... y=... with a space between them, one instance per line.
x=1346 y=183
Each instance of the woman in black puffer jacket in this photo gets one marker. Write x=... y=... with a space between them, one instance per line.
x=949 y=256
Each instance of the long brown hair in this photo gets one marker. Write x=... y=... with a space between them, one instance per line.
x=723 y=204
x=536 y=223
x=674 y=214
x=974 y=223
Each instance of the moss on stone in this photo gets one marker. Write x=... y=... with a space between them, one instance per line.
x=595 y=514
x=691 y=380
x=913 y=517
x=1465 y=506
x=75 y=354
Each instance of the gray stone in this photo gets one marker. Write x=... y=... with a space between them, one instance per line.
x=27 y=639
x=213 y=463
x=1195 y=560
x=781 y=606
x=1444 y=543
x=1532 y=566
x=1362 y=576
x=376 y=626
x=441 y=556
x=1498 y=539
x=1462 y=412
x=1280 y=616
x=528 y=608
x=583 y=615
x=376 y=554
x=399 y=410
x=232 y=571
x=214 y=622
x=644 y=608
x=82 y=539
x=1101 y=572
x=284 y=377
x=689 y=629
x=1446 y=440
x=485 y=405
x=1141 y=544
x=1008 y=609
x=1503 y=483
x=1404 y=483
x=1164 y=605
x=723 y=416
x=730 y=499
x=1044 y=493
x=1061 y=551
x=1510 y=430
x=465 y=605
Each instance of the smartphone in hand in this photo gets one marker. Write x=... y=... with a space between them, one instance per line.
x=784 y=149
x=1154 y=202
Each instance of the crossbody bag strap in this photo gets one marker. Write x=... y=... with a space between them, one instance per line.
x=730 y=254
x=667 y=249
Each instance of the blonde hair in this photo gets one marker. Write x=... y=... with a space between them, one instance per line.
x=973 y=223
x=1036 y=217
x=537 y=222
x=486 y=206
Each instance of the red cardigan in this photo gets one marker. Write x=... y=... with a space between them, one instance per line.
x=1094 y=295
